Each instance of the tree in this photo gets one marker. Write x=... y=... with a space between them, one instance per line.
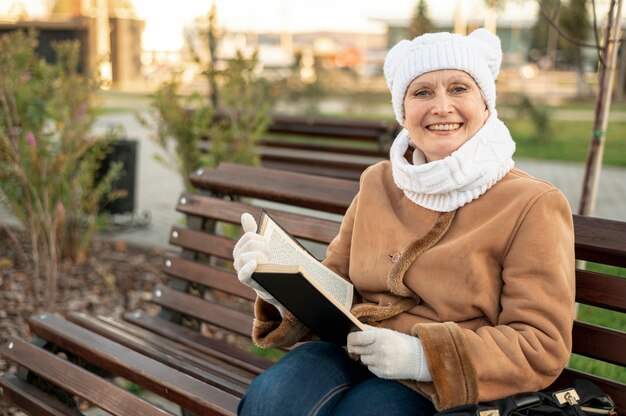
x=420 y=22
x=574 y=19
x=608 y=52
x=571 y=23
x=227 y=121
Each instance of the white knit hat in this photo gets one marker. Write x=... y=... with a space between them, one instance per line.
x=479 y=54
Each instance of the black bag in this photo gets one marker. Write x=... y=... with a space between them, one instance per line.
x=583 y=398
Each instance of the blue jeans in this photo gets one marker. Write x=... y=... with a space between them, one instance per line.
x=319 y=378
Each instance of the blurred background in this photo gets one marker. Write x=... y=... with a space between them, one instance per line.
x=137 y=44
x=156 y=59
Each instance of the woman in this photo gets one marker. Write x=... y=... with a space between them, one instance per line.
x=463 y=265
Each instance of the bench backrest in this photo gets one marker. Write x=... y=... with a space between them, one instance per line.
x=365 y=137
x=204 y=288
x=325 y=146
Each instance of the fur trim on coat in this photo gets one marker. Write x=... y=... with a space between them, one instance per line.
x=269 y=329
x=448 y=359
x=417 y=247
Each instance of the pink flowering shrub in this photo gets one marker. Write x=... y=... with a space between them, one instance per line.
x=48 y=158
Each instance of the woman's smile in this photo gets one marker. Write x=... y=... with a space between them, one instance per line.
x=444 y=128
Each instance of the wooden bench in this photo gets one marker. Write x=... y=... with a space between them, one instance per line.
x=176 y=353
x=368 y=137
x=338 y=148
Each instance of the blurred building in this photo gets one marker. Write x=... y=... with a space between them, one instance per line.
x=514 y=34
x=108 y=31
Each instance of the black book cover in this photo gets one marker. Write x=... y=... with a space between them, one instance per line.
x=321 y=315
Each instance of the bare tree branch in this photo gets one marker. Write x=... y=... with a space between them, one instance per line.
x=556 y=27
x=595 y=25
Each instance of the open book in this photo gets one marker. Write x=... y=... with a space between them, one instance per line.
x=317 y=296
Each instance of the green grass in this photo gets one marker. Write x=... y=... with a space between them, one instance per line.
x=567 y=141
x=602 y=317
x=273 y=354
x=606 y=269
x=599 y=368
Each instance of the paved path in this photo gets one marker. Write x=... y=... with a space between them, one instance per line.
x=158 y=187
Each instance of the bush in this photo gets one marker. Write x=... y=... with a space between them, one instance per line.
x=224 y=124
x=48 y=160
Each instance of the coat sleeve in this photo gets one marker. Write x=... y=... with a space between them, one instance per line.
x=529 y=345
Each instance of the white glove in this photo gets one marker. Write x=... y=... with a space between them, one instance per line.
x=251 y=250
x=390 y=354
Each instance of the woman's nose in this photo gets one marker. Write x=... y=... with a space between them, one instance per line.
x=442 y=105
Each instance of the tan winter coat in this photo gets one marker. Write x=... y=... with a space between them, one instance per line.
x=491 y=297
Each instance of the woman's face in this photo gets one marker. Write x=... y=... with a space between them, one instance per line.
x=442 y=110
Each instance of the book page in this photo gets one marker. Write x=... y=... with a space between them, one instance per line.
x=286 y=251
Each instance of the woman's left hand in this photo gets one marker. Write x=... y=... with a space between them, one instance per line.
x=390 y=354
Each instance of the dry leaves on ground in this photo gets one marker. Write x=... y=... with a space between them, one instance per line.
x=114 y=277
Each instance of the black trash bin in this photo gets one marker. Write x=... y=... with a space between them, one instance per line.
x=124 y=151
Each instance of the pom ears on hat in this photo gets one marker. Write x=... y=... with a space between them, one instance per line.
x=394 y=58
x=482 y=40
x=488 y=45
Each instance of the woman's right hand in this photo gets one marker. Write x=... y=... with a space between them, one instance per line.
x=250 y=251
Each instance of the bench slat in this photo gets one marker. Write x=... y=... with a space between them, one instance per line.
x=193 y=339
x=202 y=242
x=184 y=341
x=77 y=380
x=355 y=164
x=325 y=194
x=600 y=240
x=310 y=168
x=206 y=275
x=204 y=310
x=362 y=151
x=601 y=290
x=371 y=130
x=181 y=358
x=301 y=226
x=169 y=383
x=31 y=399
x=327 y=128
x=599 y=343
x=225 y=360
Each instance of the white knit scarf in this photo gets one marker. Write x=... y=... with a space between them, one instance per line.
x=447 y=184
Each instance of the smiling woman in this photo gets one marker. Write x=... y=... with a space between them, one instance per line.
x=478 y=302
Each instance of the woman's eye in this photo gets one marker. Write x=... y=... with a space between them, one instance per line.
x=421 y=93
x=459 y=89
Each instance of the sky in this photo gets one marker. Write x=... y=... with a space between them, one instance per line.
x=165 y=19
x=270 y=15
x=295 y=15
